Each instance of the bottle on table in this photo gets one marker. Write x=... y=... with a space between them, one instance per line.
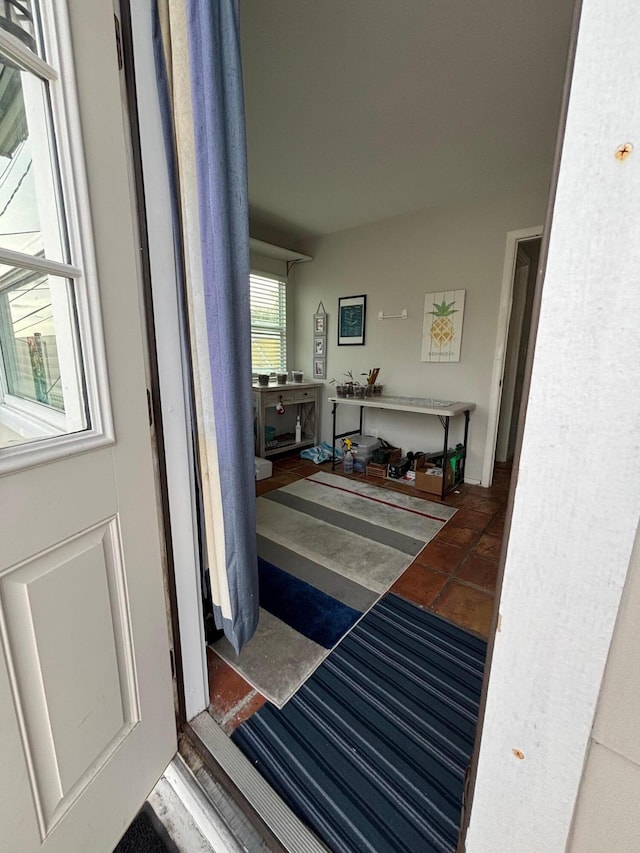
x=347 y=457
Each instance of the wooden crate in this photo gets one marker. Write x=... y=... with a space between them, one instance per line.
x=374 y=469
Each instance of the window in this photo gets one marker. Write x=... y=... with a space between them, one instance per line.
x=28 y=338
x=47 y=313
x=268 y=324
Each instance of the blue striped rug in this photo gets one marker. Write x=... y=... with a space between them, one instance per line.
x=372 y=751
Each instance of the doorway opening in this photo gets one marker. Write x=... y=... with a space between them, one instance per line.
x=461 y=567
x=518 y=341
x=513 y=333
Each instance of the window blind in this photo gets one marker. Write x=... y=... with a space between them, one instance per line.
x=268 y=324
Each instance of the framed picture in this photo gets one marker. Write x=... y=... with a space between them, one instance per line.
x=320 y=347
x=319 y=368
x=352 y=311
x=442 y=326
x=319 y=324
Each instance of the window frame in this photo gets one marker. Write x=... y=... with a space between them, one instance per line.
x=80 y=272
x=284 y=329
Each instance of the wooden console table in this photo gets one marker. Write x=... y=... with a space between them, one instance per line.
x=443 y=410
x=298 y=398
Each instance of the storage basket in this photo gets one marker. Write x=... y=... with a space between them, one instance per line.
x=375 y=469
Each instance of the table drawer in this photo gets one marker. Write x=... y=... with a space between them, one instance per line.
x=274 y=397
x=291 y=395
x=303 y=395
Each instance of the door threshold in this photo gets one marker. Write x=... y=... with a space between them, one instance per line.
x=226 y=765
x=193 y=820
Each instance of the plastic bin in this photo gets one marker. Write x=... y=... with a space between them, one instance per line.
x=360 y=461
x=365 y=444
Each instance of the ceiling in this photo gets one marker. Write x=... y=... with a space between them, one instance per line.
x=358 y=110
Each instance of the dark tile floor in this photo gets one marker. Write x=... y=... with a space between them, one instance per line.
x=454 y=575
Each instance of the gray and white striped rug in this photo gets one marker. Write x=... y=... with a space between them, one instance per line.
x=347 y=538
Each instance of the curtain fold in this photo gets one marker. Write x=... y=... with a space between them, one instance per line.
x=198 y=66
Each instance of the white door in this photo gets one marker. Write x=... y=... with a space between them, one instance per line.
x=86 y=708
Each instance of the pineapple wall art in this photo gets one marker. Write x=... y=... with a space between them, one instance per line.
x=442 y=327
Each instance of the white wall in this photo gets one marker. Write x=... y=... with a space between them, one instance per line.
x=395 y=262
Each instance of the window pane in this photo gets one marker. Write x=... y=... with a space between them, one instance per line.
x=19 y=17
x=268 y=324
x=267 y=352
x=31 y=220
x=40 y=362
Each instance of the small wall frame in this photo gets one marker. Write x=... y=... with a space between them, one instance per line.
x=320 y=323
x=320 y=319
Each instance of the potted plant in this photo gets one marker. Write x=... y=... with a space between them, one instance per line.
x=351 y=384
x=372 y=386
x=341 y=390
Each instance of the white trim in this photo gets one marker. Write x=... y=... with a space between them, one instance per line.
x=173 y=387
x=502 y=333
x=64 y=101
x=35 y=262
x=14 y=49
x=508 y=405
x=19 y=457
x=30 y=418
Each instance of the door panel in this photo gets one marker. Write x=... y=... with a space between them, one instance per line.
x=86 y=704
x=73 y=674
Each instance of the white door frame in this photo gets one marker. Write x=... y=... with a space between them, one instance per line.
x=502 y=334
x=512 y=353
x=172 y=373
x=573 y=522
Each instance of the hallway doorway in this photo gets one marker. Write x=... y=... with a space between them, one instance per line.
x=518 y=339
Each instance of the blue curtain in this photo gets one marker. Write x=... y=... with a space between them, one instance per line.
x=221 y=177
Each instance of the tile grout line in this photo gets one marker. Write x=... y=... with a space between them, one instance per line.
x=436 y=600
x=453 y=576
x=238 y=707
